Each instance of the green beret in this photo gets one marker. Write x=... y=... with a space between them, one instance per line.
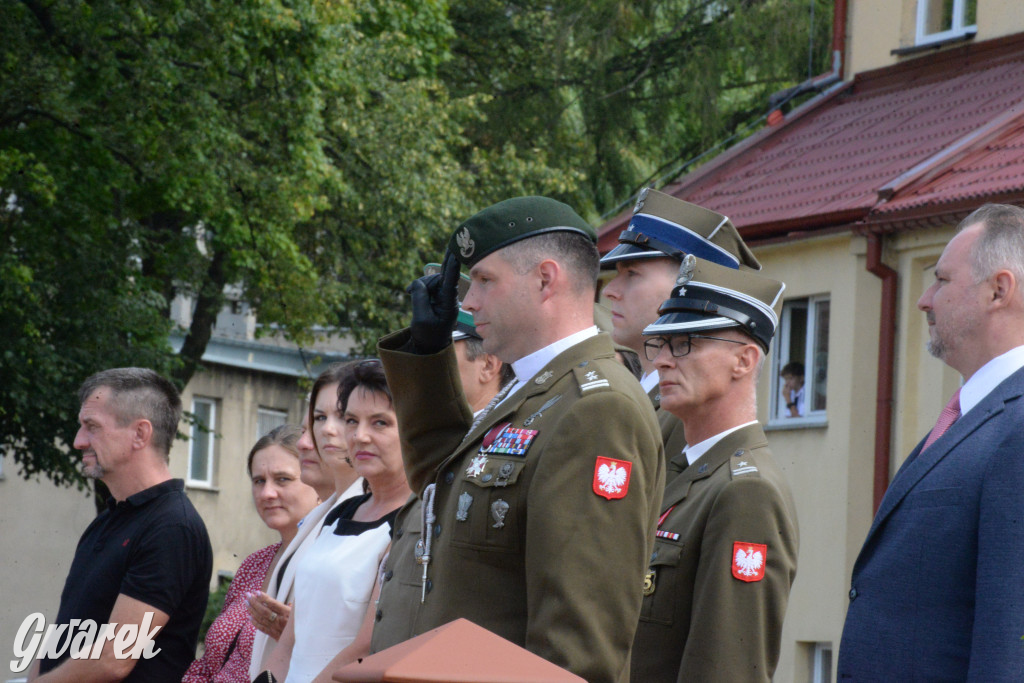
x=512 y=220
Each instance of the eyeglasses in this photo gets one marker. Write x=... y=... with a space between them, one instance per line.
x=678 y=344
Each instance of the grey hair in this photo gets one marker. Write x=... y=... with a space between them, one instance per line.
x=1000 y=246
x=140 y=393
x=572 y=250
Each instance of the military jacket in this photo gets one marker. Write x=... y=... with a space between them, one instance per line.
x=723 y=564
x=545 y=511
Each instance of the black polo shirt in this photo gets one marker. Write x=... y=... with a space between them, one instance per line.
x=152 y=547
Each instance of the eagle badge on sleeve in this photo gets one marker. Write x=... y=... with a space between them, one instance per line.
x=611 y=477
x=748 y=560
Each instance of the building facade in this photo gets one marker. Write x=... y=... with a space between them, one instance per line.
x=849 y=199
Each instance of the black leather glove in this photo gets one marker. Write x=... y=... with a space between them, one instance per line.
x=435 y=307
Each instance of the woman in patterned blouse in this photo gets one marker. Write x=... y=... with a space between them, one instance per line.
x=281 y=500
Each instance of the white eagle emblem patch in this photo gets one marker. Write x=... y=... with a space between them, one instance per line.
x=466 y=244
x=611 y=477
x=748 y=560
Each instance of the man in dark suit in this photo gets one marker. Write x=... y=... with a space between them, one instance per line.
x=937 y=588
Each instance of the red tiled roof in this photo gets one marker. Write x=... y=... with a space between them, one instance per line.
x=930 y=137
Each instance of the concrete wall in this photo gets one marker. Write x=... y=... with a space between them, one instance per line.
x=227 y=508
x=877 y=27
x=41 y=525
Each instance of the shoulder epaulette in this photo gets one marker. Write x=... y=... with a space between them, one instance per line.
x=742 y=466
x=590 y=378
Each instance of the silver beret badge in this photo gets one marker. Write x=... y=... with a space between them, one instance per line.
x=466 y=244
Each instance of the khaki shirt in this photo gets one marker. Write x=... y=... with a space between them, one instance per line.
x=523 y=543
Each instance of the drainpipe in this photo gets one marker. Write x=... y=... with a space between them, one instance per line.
x=886 y=361
x=839 y=35
x=821 y=81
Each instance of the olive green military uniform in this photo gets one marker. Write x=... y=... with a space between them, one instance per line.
x=532 y=540
x=699 y=621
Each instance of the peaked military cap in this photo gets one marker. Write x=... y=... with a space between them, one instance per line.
x=465 y=326
x=708 y=296
x=663 y=225
x=512 y=220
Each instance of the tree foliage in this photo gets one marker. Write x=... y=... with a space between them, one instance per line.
x=314 y=154
x=608 y=91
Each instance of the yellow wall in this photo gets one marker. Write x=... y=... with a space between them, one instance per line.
x=876 y=27
x=829 y=467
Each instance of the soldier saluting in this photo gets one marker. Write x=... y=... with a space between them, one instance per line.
x=538 y=515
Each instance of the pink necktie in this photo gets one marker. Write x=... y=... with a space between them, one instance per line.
x=947 y=417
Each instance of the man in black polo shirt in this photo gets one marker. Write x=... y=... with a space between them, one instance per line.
x=146 y=560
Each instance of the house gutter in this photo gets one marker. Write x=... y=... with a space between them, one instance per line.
x=886 y=362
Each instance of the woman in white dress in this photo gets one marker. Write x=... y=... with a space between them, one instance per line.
x=335 y=578
x=335 y=480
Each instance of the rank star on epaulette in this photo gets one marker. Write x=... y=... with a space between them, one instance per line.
x=744 y=468
x=611 y=477
x=749 y=560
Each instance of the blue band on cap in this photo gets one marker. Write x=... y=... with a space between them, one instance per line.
x=682 y=238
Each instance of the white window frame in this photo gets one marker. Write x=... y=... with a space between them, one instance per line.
x=822 y=664
x=207 y=483
x=957 y=30
x=812 y=418
x=281 y=418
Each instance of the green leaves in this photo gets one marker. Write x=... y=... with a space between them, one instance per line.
x=313 y=155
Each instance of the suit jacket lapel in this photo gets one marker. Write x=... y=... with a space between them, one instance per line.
x=919 y=464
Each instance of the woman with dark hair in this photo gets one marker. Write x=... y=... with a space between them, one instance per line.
x=335 y=579
x=328 y=471
x=281 y=500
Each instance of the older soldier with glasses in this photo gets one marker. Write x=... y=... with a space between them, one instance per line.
x=725 y=553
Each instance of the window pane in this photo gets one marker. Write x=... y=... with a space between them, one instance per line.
x=971 y=13
x=199 y=457
x=819 y=381
x=938 y=16
x=268 y=419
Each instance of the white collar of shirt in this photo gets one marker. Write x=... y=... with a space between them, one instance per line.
x=649 y=381
x=528 y=366
x=693 y=453
x=989 y=377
